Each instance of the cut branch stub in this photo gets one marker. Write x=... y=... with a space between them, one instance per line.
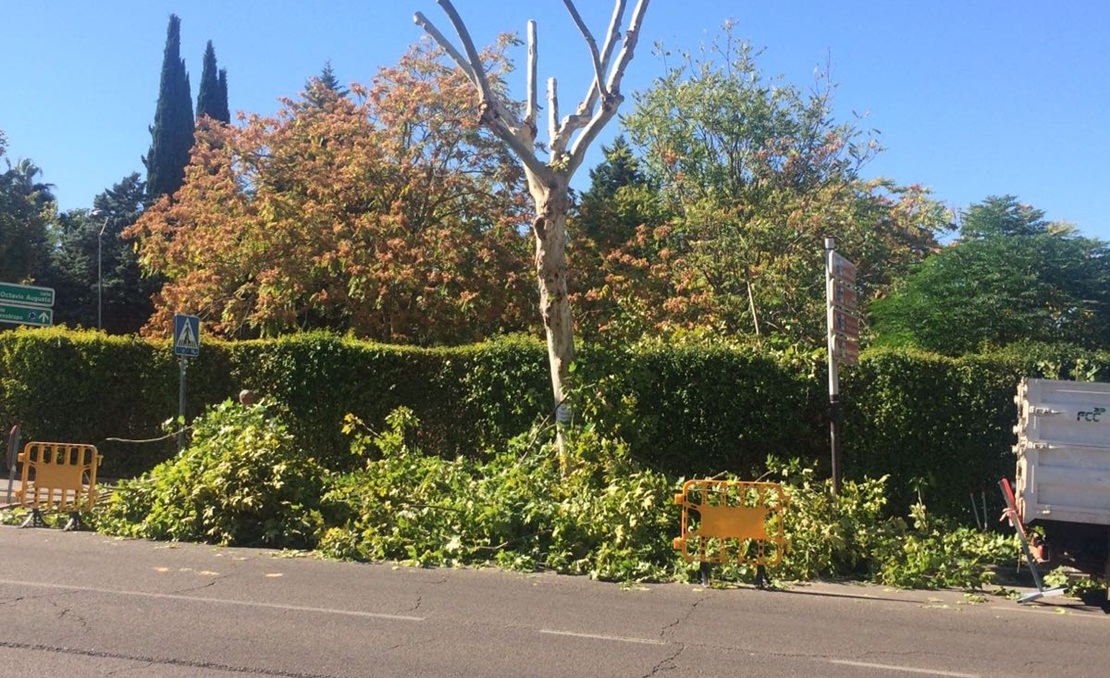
x=520 y=136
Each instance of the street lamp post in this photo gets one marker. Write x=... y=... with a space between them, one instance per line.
x=99 y=269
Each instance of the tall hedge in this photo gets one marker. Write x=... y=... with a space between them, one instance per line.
x=940 y=427
x=696 y=410
x=88 y=387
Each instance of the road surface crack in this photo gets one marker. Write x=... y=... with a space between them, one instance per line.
x=668 y=663
x=164 y=661
x=670 y=627
x=200 y=587
x=67 y=613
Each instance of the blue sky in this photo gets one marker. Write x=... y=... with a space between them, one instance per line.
x=972 y=98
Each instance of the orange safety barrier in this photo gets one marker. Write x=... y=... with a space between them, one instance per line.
x=58 y=476
x=732 y=521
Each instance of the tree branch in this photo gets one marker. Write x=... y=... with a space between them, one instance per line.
x=582 y=114
x=590 y=42
x=611 y=38
x=422 y=21
x=492 y=113
x=556 y=143
x=471 y=53
x=612 y=96
x=530 y=111
x=613 y=35
x=490 y=107
x=632 y=36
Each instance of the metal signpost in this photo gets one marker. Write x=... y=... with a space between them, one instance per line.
x=843 y=338
x=186 y=344
x=13 y=455
x=26 y=305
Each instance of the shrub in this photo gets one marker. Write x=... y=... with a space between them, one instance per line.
x=518 y=509
x=241 y=481
x=598 y=512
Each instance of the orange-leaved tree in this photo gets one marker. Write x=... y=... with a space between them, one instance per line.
x=388 y=212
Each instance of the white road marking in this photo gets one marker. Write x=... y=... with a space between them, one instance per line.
x=199 y=599
x=619 y=639
x=904 y=669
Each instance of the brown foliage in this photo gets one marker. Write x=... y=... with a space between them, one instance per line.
x=388 y=214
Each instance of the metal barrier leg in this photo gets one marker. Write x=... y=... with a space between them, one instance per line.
x=761 y=580
x=705 y=573
x=74 y=523
x=34 y=520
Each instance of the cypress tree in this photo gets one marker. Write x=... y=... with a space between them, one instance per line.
x=172 y=132
x=212 y=97
x=223 y=112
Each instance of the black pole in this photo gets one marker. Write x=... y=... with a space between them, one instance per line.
x=834 y=436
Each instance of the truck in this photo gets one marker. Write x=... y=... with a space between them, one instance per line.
x=1062 y=482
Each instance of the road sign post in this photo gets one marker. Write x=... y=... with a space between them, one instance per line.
x=186 y=344
x=843 y=339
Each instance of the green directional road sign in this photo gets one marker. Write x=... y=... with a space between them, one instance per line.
x=26 y=315
x=26 y=294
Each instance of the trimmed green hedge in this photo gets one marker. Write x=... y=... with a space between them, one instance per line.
x=696 y=410
x=88 y=387
x=938 y=426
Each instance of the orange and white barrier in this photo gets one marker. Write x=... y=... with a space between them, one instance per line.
x=732 y=521
x=58 y=477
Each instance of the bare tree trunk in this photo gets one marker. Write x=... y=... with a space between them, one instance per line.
x=549 y=182
x=549 y=229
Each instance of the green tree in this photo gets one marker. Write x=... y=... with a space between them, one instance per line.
x=27 y=216
x=172 y=132
x=757 y=173
x=1003 y=216
x=599 y=215
x=223 y=107
x=212 y=95
x=1012 y=276
x=95 y=272
x=319 y=89
x=608 y=252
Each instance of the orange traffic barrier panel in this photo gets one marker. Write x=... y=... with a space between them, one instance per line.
x=58 y=477
x=732 y=521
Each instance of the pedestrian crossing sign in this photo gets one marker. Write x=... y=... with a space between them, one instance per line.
x=186 y=335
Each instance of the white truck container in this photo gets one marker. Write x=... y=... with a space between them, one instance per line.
x=1063 y=451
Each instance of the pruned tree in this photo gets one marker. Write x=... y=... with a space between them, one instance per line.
x=568 y=139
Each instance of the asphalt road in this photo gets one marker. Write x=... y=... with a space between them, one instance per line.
x=80 y=604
